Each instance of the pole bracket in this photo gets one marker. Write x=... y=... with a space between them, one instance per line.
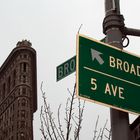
x=117 y=20
x=113 y=20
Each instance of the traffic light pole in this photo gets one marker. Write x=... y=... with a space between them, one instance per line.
x=115 y=30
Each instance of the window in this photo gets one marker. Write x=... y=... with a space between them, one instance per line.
x=22 y=124
x=24 y=91
x=3 y=92
x=8 y=84
x=22 y=136
x=13 y=117
x=10 y=120
x=23 y=103
x=24 y=78
x=14 y=77
x=17 y=136
x=20 y=67
x=19 y=91
x=12 y=128
x=26 y=114
x=8 y=113
x=18 y=114
x=23 y=113
x=24 y=67
x=25 y=56
x=27 y=103
x=18 y=102
x=18 y=124
x=0 y=120
x=0 y=95
x=13 y=106
x=9 y=130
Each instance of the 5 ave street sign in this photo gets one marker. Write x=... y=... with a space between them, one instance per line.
x=107 y=75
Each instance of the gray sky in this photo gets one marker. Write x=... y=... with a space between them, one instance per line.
x=51 y=26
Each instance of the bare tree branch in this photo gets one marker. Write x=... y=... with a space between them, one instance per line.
x=48 y=120
x=47 y=125
x=99 y=133
x=59 y=123
x=95 y=131
x=73 y=118
x=67 y=109
x=80 y=118
x=52 y=124
x=103 y=130
x=70 y=114
x=109 y=135
x=42 y=126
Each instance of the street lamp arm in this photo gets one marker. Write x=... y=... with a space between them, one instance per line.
x=131 y=31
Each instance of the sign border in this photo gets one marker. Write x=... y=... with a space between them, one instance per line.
x=77 y=72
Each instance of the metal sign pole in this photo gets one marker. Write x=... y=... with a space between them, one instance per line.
x=112 y=27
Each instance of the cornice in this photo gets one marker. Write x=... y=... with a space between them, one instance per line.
x=13 y=53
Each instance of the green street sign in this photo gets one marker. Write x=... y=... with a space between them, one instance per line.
x=107 y=75
x=66 y=68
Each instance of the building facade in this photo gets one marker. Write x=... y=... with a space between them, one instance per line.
x=135 y=128
x=18 y=93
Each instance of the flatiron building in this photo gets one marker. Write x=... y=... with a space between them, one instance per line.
x=18 y=93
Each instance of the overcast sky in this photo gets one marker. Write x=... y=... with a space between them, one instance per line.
x=51 y=26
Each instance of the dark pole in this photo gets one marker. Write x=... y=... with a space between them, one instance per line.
x=113 y=27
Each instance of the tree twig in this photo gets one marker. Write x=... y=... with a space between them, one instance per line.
x=70 y=115
x=59 y=123
x=95 y=131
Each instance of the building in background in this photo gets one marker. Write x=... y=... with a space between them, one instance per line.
x=18 y=93
x=135 y=128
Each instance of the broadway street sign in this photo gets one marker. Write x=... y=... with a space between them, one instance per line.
x=66 y=68
x=107 y=75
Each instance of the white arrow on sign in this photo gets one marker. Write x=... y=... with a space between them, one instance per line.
x=96 y=55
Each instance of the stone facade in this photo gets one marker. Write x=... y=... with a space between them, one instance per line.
x=18 y=93
x=135 y=128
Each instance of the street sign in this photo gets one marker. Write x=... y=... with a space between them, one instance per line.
x=107 y=75
x=66 y=68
